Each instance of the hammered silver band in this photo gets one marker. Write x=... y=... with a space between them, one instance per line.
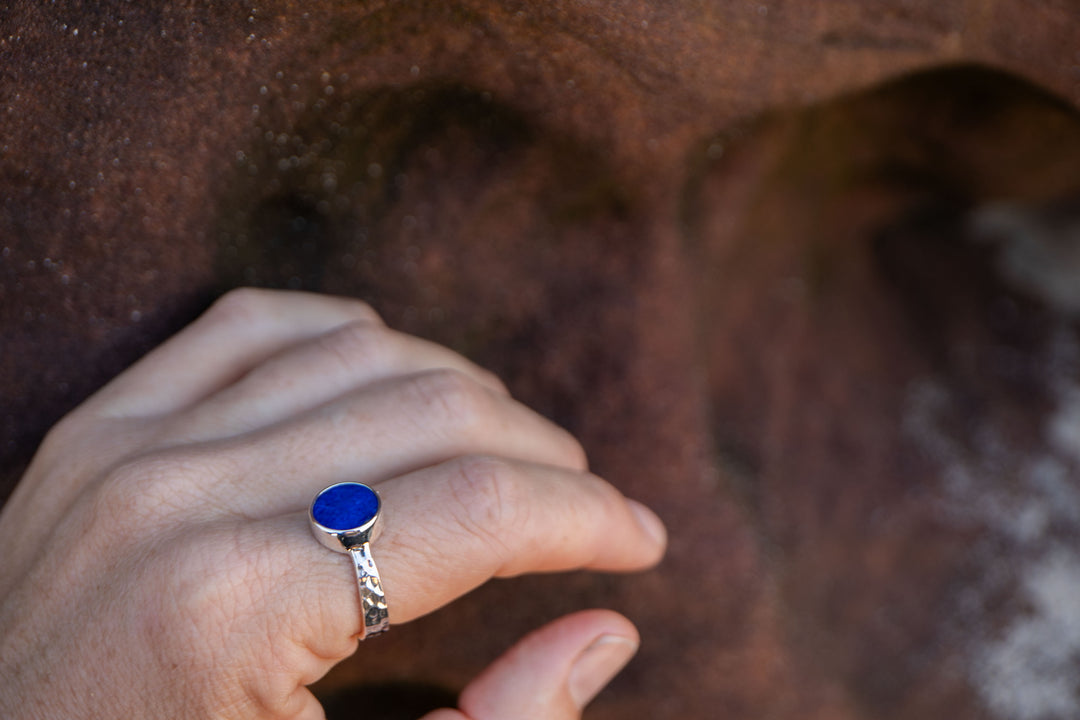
x=344 y=517
x=372 y=599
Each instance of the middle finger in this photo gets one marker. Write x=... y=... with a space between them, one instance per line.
x=382 y=431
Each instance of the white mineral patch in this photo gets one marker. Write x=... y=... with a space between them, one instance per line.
x=1032 y=671
x=1039 y=252
x=1064 y=426
x=1028 y=669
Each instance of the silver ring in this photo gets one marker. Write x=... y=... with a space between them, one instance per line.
x=345 y=518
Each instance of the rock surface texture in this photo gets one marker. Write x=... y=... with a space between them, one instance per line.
x=803 y=276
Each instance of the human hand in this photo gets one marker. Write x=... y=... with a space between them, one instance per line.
x=157 y=555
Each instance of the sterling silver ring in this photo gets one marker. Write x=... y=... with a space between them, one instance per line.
x=345 y=518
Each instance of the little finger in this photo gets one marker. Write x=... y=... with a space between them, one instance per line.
x=239 y=331
x=312 y=373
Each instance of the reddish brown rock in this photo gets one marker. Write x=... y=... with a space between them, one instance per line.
x=828 y=331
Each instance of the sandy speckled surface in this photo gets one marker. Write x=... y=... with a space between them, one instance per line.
x=820 y=319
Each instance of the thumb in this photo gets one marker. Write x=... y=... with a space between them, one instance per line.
x=552 y=673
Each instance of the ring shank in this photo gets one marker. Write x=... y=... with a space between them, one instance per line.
x=372 y=599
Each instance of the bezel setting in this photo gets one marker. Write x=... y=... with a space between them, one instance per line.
x=344 y=540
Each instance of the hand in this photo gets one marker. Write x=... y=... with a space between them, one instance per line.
x=157 y=557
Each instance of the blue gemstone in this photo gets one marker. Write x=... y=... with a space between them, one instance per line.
x=345 y=506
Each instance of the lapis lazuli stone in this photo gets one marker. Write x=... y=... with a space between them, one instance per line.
x=345 y=506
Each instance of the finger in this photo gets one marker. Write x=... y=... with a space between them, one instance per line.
x=379 y=432
x=302 y=705
x=448 y=529
x=312 y=373
x=552 y=673
x=239 y=331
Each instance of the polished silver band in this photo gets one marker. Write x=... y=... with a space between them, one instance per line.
x=372 y=600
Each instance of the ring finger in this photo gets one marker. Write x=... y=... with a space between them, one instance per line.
x=378 y=432
x=449 y=528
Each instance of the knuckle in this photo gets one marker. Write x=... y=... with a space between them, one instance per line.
x=493 y=380
x=199 y=596
x=208 y=585
x=489 y=496
x=358 y=345
x=74 y=446
x=248 y=304
x=63 y=437
x=238 y=306
x=576 y=456
x=450 y=397
x=60 y=434
x=366 y=313
x=144 y=492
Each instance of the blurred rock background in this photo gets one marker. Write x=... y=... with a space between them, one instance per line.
x=802 y=276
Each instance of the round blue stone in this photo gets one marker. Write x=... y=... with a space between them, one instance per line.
x=345 y=506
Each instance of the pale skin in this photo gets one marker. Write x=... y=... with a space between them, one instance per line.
x=157 y=560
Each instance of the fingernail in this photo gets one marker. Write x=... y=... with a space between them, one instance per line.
x=597 y=665
x=649 y=522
